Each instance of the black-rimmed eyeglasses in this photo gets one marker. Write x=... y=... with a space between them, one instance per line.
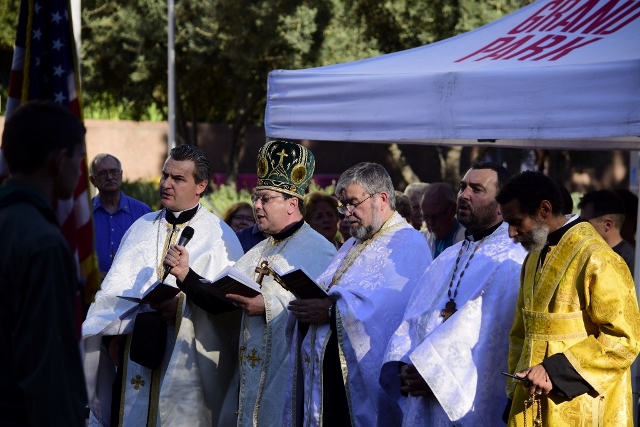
x=435 y=217
x=264 y=198
x=103 y=174
x=344 y=207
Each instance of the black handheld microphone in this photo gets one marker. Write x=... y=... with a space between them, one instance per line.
x=186 y=235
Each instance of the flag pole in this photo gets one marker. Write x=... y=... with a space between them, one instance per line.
x=171 y=84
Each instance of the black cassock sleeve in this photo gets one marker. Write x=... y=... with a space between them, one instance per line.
x=566 y=380
x=191 y=287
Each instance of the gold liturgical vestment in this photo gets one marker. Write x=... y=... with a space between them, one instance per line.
x=581 y=302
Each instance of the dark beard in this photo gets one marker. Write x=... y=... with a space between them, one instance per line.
x=478 y=219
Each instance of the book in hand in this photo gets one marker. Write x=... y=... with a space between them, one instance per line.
x=230 y=281
x=157 y=293
x=299 y=283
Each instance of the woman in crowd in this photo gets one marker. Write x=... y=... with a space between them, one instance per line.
x=322 y=215
x=239 y=216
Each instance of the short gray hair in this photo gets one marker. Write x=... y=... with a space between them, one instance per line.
x=372 y=177
x=416 y=189
x=100 y=157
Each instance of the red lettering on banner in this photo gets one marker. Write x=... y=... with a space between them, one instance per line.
x=579 y=13
x=537 y=47
x=606 y=30
x=550 y=29
x=556 y=9
x=551 y=47
x=491 y=47
x=603 y=16
x=565 y=49
x=497 y=52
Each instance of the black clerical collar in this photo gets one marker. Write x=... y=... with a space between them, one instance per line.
x=481 y=234
x=183 y=217
x=289 y=232
x=554 y=238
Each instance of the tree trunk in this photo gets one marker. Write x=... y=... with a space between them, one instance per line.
x=452 y=166
x=245 y=104
x=402 y=165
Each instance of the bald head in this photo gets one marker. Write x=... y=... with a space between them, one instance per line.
x=439 y=192
x=438 y=208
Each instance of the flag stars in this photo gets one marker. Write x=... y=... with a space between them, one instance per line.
x=55 y=17
x=58 y=71
x=37 y=34
x=57 y=44
x=59 y=97
x=37 y=58
x=37 y=7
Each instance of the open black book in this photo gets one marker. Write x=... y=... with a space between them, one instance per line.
x=299 y=283
x=229 y=281
x=158 y=292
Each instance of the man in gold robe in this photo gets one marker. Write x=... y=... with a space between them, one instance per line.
x=577 y=324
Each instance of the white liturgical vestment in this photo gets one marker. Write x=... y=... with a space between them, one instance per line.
x=263 y=348
x=371 y=282
x=201 y=354
x=461 y=358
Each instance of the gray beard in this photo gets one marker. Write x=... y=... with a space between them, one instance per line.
x=535 y=241
x=363 y=233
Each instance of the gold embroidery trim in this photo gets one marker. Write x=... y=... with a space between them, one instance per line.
x=343 y=364
x=125 y=364
x=154 y=397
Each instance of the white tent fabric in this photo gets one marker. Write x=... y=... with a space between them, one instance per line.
x=548 y=75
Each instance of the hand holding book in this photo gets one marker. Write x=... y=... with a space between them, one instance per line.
x=299 y=283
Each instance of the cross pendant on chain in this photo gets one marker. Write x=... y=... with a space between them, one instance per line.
x=448 y=310
x=262 y=271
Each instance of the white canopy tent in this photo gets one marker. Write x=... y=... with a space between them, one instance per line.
x=555 y=74
x=550 y=75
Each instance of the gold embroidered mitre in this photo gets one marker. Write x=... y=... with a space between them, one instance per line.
x=285 y=167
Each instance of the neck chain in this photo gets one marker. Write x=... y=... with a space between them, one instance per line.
x=262 y=268
x=450 y=306
x=355 y=251
x=172 y=238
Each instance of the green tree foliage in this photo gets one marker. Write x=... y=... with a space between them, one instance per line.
x=226 y=48
x=9 y=10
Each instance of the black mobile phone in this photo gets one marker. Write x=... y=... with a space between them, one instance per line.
x=506 y=374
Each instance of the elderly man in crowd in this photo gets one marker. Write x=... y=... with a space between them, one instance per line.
x=338 y=342
x=113 y=211
x=438 y=208
x=414 y=192
x=453 y=341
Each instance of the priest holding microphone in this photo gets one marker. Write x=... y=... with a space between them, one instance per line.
x=181 y=375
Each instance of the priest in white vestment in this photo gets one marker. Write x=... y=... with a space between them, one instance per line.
x=337 y=343
x=284 y=172
x=453 y=342
x=189 y=387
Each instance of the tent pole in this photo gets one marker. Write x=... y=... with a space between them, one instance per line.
x=634 y=168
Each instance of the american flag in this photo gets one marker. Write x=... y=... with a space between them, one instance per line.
x=44 y=67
